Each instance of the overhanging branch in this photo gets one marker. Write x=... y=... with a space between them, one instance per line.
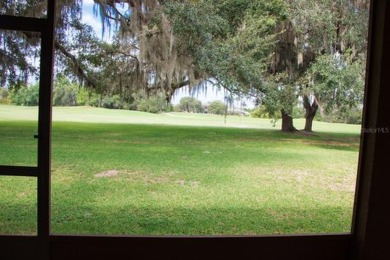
x=79 y=70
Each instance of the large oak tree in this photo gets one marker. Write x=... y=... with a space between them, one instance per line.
x=275 y=50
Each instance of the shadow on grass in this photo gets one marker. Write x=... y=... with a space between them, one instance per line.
x=326 y=140
x=18 y=219
x=154 y=220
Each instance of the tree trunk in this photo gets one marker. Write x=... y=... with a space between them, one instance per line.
x=311 y=110
x=287 y=122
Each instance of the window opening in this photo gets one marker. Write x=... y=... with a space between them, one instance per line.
x=142 y=174
x=167 y=148
x=19 y=97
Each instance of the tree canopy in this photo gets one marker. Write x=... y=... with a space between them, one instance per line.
x=277 y=51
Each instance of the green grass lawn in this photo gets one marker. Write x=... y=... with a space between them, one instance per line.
x=123 y=172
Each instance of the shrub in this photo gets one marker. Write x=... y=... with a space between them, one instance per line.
x=217 y=107
x=113 y=102
x=260 y=112
x=26 y=95
x=351 y=116
x=177 y=108
x=83 y=97
x=154 y=104
x=298 y=112
x=134 y=105
x=189 y=104
x=68 y=93
x=5 y=97
x=95 y=100
x=354 y=116
x=65 y=95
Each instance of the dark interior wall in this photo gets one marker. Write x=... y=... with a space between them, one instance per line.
x=371 y=227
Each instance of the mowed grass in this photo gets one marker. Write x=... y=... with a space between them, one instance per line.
x=163 y=178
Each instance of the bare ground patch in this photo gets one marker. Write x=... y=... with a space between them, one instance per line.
x=137 y=176
x=346 y=184
x=109 y=173
x=188 y=183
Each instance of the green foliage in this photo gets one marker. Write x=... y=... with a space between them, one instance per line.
x=65 y=92
x=105 y=101
x=26 y=95
x=260 y=112
x=95 y=100
x=353 y=116
x=281 y=94
x=338 y=82
x=113 y=102
x=217 y=107
x=228 y=40
x=189 y=104
x=350 y=116
x=196 y=23
x=83 y=96
x=68 y=93
x=264 y=112
x=20 y=51
x=263 y=47
x=298 y=112
x=234 y=11
x=17 y=52
x=154 y=104
x=5 y=97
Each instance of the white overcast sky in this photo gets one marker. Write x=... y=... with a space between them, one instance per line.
x=209 y=95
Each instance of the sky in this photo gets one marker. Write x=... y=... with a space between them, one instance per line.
x=211 y=94
x=89 y=18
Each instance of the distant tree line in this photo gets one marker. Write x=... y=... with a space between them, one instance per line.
x=349 y=116
x=67 y=93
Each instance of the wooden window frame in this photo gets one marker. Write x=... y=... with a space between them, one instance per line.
x=370 y=236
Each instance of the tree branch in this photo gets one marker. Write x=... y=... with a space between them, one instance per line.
x=79 y=70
